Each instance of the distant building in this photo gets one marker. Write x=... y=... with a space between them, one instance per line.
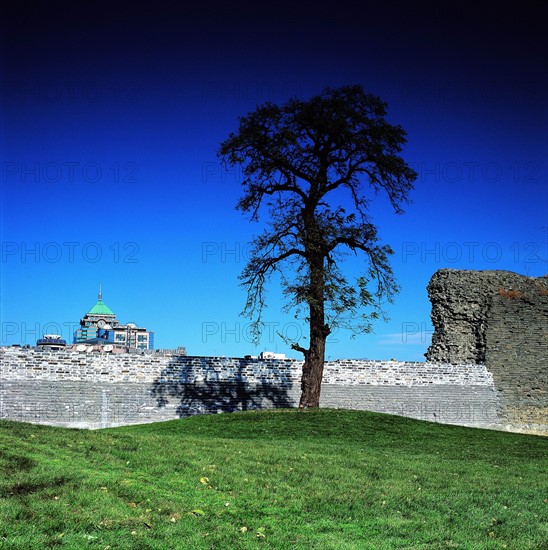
x=52 y=342
x=271 y=355
x=100 y=326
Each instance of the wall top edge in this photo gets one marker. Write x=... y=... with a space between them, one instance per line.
x=9 y=350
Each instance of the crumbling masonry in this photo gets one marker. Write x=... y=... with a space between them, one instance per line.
x=499 y=319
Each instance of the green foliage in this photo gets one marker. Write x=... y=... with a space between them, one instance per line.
x=280 y=479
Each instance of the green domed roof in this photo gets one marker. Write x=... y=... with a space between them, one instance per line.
x=100 y=308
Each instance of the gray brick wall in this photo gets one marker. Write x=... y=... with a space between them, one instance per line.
x=102 y=390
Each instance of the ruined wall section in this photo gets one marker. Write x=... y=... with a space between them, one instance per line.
x=461 y=305
x=499 y=319
x=517 y=357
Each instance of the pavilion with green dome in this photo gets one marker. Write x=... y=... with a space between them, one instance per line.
x=100 y=308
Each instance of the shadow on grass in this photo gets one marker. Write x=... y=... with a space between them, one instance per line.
x=29 y=488
x=200 y=387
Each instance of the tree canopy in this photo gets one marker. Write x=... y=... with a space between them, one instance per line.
x=295 y=160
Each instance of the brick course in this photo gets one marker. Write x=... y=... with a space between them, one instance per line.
x=96 y=390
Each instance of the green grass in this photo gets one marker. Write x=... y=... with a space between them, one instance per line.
x=273 y=479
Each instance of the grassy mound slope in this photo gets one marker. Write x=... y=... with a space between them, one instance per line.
x=277 y=479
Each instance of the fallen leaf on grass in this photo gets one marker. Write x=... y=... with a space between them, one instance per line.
x=174 y=517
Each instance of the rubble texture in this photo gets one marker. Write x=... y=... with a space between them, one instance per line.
x=500 y=319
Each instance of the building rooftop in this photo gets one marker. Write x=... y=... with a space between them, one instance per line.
x=100 y=308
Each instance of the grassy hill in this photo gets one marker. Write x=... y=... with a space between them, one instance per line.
x=274 y=479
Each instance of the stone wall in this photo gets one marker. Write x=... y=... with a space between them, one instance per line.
x=517 y=356
x=499 y=319
x=102 y=390
x=486 y=367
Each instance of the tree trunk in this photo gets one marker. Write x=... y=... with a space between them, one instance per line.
x=311 y=381
x=314 y=357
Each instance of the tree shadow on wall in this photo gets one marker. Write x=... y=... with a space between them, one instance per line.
x=200 y=386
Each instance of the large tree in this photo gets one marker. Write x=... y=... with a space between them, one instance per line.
x=312 y=166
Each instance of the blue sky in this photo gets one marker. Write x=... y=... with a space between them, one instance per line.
x=112 y=115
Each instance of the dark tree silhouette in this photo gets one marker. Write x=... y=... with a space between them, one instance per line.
x=296 y=159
